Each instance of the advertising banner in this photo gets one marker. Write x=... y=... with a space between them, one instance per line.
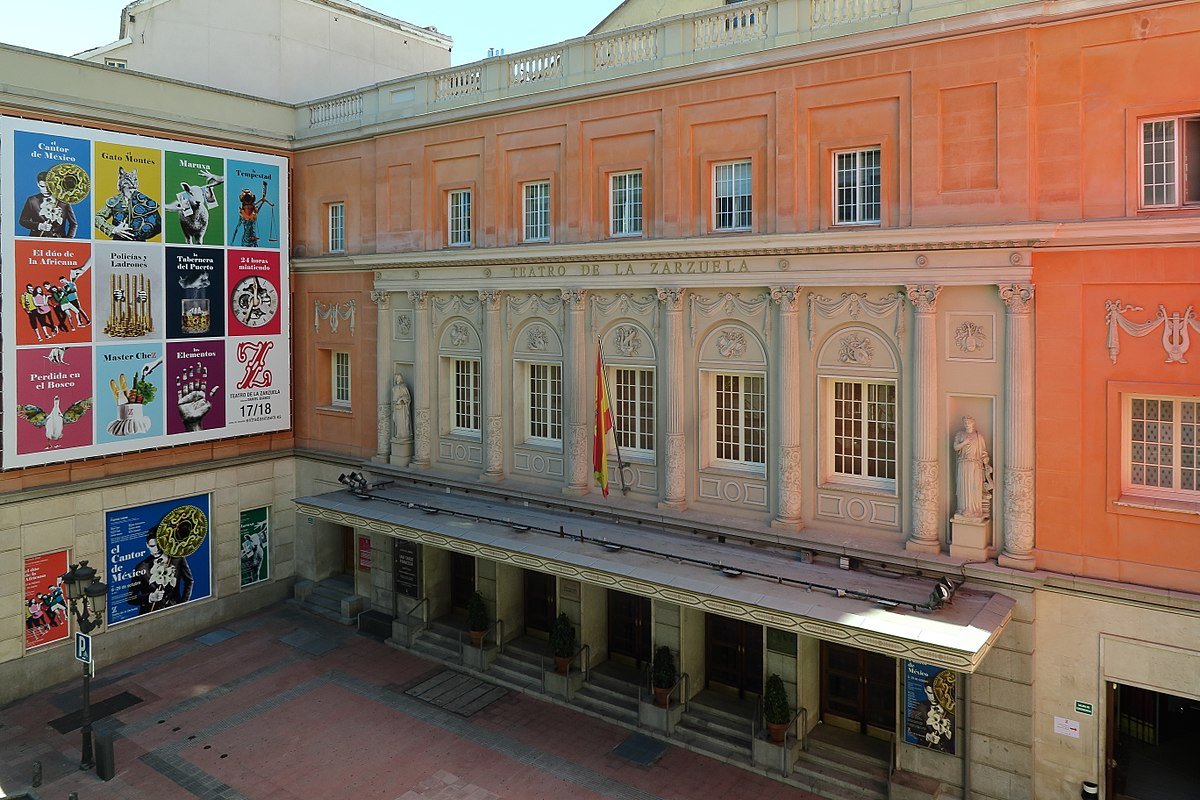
x=146 y=288
x=45 y=608
x=159 y=557
x=256 y=545
x=929 y=706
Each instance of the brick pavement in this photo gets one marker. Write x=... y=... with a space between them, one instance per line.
x=280 y=705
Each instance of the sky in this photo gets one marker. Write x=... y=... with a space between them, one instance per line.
x=475 y=25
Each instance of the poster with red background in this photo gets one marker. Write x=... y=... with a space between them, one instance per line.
x=45 y=609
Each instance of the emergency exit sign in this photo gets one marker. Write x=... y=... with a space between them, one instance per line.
x=1083 y=708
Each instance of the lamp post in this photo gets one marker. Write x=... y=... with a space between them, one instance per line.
x=85 y=593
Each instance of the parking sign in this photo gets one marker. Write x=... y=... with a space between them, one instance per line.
x=83 y=647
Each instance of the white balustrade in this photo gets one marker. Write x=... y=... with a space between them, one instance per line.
x=628 y=47
x=460 y=83
x=830 y=13
x=732 y=25
x=529 y=68
x=335 y=110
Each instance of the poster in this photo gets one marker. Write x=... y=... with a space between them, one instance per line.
x=159 y=557
x=929 y=706
x=46 y=617
x=256 y=545
x=147 y=293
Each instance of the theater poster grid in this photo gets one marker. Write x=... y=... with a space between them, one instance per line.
x=145 y=283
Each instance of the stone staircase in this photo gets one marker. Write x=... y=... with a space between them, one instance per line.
x=332 y=598
x=840 y=765
x=611 y=694
x=720 y=729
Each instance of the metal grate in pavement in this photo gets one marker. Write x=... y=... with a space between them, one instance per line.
x=215 y=637
x=640 y=749
x=456 y=692
x=101 y=709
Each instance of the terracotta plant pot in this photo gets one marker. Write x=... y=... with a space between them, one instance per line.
x=477 y=638
x=562 y=664
x=777 y=732
x=662 y=697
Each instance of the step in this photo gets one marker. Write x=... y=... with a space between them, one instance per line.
x=847 y=761
x=718 y=722
x=436 y=649
x=735 y=751
x=602 y=706
x=617 y=697
x=333 y=604
x=834 y=785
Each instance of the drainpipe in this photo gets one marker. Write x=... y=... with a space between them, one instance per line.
x=965 y=700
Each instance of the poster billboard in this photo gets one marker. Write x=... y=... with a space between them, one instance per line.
x=45 y=607
x=930 y=703
x=146 y=286
x=255 y=538
x=159 y=557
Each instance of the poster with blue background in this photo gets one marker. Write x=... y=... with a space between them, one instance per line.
x=53 y=183
x=159 y=557
x=930 y=705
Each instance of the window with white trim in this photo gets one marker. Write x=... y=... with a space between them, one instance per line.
x=458 y=218
x=536 y=211
x=1170 y=161
x=856 y=187
x=740 y=417
x=118 y=63
x=1162 y=447
x=625 y=193
x=337 y=227
x=633 y=410
x=860 y=419
x=466 y=395
x=732 y=196
x=544 y=394
x=341 y=379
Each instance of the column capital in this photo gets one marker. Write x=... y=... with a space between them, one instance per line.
x=419 y=298
x=671 y=297
x=1018 y=297
x=923 y=297
x=787 y=297
x=490 y=298
x=381 y=298
x=574 y=299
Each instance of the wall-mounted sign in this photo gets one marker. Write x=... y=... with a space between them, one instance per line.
x=146 y=289
x=255 y=535
x=930 y=702
x=364 y=553
x=1083 y=708
x=45 y=609
x=406 y=563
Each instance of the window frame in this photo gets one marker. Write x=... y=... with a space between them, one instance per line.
x=1176 y=494
x=1184 y=179
x=715 y=424
x=553 y=403
x=535 y=222
x=830 y=435
x=473 y=401
x=857 y=203
x=341 y=391
x=459 y=226
x=643 y=407
x=627 y=204
x=733 y=212
x=335 y=217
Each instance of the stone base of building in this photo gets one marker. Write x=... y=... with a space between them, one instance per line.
x=971 y=539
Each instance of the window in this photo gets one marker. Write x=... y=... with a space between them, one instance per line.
x=856 y=189
x=459 y=219
x=337 y=227
x=731 y=196
x=537 y=212
x=741 y=416
x=1163 y=447
x=118 y=63
x=633 y=409
x=545 y=403
x=466 y=395
x=862 y=419
x=626 y=194
x=1170 y=162
x=341 y=379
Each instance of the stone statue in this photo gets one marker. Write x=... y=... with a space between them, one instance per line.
x=401 y=414
x=974 y=468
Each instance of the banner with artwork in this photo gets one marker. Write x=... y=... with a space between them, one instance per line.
x=45 y=608
x=147 y=288
x=255 y=532
x=159 y=557
x=929 y=707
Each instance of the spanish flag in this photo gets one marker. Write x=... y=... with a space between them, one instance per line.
x=604 y=424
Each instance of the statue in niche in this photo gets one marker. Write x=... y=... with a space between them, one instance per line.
x=974 y=472
x=401 y=409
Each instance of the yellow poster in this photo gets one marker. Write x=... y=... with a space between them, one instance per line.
x=128 y=190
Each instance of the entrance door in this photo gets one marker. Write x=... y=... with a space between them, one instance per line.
x=462 y=580
x=349 y=552
x=858 y=689
x=733 y=654
x=1152 y=743
x=539 y=601
x=629 y=626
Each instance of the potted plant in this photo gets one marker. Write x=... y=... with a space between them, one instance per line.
x=776 y=709
x=477 y=619
x=562 y=642
x=662 y=675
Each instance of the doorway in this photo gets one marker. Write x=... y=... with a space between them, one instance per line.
x=462 y=580
x=540 y=602
x=858 y=690
x=629 y=627
x=1152 y=742
x=349 y=552
x=733 y=655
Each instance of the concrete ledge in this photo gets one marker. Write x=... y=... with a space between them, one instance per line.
x=771 y=756
x=563 y=685
x=659 y=719
x=910 y=786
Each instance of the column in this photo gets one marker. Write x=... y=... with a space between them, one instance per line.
x=924 y=536
x=1018 y=427
x=422 y=446
x=674 y=445
x=786 y=394
x=493 y=382
x=383 y=376
x=577 y=385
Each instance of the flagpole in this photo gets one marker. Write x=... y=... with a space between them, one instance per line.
x=608 y=398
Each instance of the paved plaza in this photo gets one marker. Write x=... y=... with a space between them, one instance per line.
x=282 y=705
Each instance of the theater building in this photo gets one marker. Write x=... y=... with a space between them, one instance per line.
x=890 y=305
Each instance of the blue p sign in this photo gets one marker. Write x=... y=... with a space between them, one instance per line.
x=83 y=647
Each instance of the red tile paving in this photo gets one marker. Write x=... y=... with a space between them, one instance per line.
x=254 y=717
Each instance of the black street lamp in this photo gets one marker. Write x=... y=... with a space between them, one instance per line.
x=86 y=595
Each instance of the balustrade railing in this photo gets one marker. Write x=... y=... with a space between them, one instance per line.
x=544 y=65
x=829 y=13
x=732 y=25
x=635 y=46
x=335 y=110
x=460 y=83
